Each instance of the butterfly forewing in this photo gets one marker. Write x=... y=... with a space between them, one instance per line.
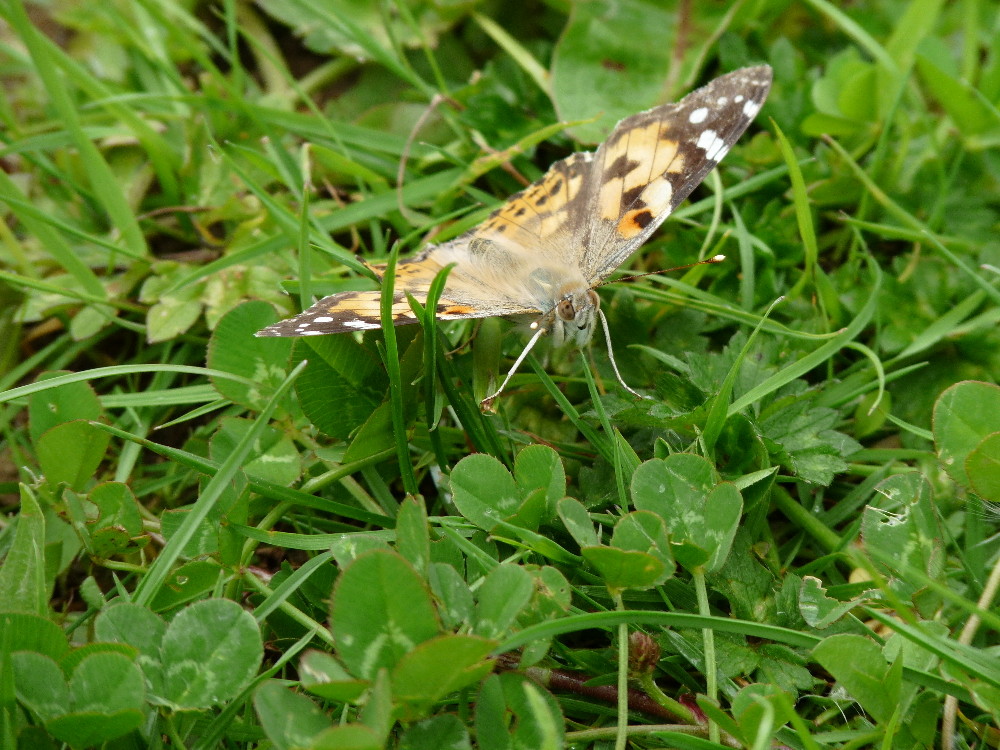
x=653 y=160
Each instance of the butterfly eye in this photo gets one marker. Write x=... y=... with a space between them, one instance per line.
x=565 y=310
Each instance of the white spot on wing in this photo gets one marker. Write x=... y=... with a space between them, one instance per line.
x=713 y=146
x=361 y=325
x=698 y=116
x=657 y=194
x=738 y=98
x=750 y=109
x=323 y=319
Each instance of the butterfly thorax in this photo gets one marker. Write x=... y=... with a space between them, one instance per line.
x=568 y=303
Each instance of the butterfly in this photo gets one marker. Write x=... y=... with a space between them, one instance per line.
x=543 y=252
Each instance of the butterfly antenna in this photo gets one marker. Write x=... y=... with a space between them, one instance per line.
x=713 y=259
x=487 y=403
x=611 y=356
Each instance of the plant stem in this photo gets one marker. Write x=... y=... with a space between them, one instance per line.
x=708 y=638
x=621 y=736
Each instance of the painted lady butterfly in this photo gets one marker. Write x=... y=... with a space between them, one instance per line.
x=544 y=250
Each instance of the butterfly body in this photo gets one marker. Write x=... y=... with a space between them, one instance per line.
x=546 y=248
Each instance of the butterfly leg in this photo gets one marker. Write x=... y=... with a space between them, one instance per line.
x=487 y=403
x=611 y=356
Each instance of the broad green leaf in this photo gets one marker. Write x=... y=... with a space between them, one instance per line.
x=40 y=684
x=610 y=62
x=624 y=569
x=132 y=624
x=118 y=524
x=174 y=306
x=484 y=491
x=901 y=529
x=539 y=467
x=189 y=582
x=381 y=611
x=379 y=710
x=505 y=592
x=55 y=406
x=289 y=720
x=577 y=521
x=106 y=698
x=373 y=437
x=964 y=415
x=347 y=737
x=534 y=509
x=492 y=722
x=554 y=594
x=858 y=665
x=643 y=531
x=805 y=437
x=233 y=348
x=205 y=540
x=435 y=733
x=322 y=675
x=275 y=457
x=71 y=452
x=785 y=668
x=173 y=314
x=512 y=712
x=85 y=730
x=983 y=468
x=441 y=666
x=666 y=486
x=371 y=32
x=969 y=113
x=24 y=585
x=349 y=547
x=29 y=632
x=454 y=598
x=209 y=653
x=761 y=710
x=412 y=534
x=818 y=609
x=701 y=515
x=344 y=383
x=843 y=96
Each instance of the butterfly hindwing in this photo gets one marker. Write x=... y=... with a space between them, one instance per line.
x=360 y=311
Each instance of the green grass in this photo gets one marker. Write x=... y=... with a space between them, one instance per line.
x=792 y=543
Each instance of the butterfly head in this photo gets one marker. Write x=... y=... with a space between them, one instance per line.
x=573 y=318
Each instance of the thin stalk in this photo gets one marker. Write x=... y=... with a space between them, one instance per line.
x=708 y=638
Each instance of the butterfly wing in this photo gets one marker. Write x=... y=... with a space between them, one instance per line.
x=361 y=310
x=653 y=160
